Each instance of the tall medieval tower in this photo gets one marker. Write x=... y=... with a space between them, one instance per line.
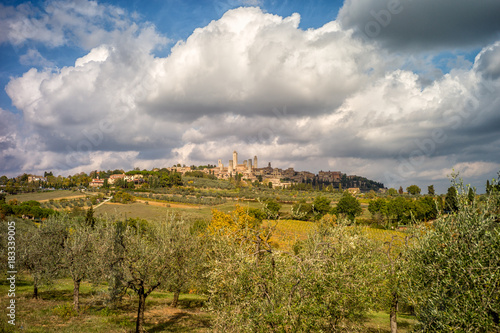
x=235 y=159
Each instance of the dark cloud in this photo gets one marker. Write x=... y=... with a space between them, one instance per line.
x=416 y=26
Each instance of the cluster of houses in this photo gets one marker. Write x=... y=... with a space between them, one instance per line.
x=137 y=179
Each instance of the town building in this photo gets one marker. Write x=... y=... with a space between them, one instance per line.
x=32 y=179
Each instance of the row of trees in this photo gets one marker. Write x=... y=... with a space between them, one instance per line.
x=402 y=210
x=328 y=282
x=348 y=206
x=27 y=209
x=132 y=254
x=345 y=182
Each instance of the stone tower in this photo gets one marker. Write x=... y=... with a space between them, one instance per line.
x=249 y=165
x=235 y=159
x=255 y=162
x=230 y=167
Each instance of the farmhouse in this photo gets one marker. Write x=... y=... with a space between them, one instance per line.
x=96 y=183
x=32 y=179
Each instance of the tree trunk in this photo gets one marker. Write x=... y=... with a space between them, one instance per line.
x=76 y=295
x=140 y=311
x=114 y=291
x=35 y=288
x=176 y=299
x=394 y=311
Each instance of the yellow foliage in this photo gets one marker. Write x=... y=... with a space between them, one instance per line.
x=233 y=221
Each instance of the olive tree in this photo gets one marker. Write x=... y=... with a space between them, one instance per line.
x=144 y=264
x=328 y=284
x=343 y=277
x=76 y=253
x=453 y=271
x=144 y=256
x=185 y=256
x=39 y=251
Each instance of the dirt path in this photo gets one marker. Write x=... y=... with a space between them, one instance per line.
x=102 y=203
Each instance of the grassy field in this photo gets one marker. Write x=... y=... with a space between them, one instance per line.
x=158 y=210
x=53 y=311
x=135 y=210
x=378 y=322
x=45 y=196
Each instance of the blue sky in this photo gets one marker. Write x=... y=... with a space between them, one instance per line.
x=176 y=19
x=399 y=91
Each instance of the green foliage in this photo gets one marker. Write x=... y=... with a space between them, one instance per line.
x=413 y=189
x=40 y=251
x=137 y=224
x=185 y=257
x=378 y=206
x=392 y=191
x=30 y=208
x=329 y=285
x=122 y=197
x=321 y=206
x=76 y=253
x=378 y=209
x=172 y=179
x=196 y=174
x=65 y=311
x=93 y=199
x=401 y=211
x=302 y=211
x=349 y=206
x=425 y=209
x=453 y=271
x=430 y=190
x=144 y=256
x=271 y=208
x=89 y=217
x=206 y=182
x=451 y=200
x=257 y=213
x=471 y=195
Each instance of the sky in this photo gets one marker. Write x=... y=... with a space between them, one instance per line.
x=399 y=91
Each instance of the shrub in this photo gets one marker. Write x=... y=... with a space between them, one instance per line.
x=453 y=270
x=65 y=311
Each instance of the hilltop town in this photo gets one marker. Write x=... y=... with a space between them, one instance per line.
x=283 y=178
x=248 y=170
